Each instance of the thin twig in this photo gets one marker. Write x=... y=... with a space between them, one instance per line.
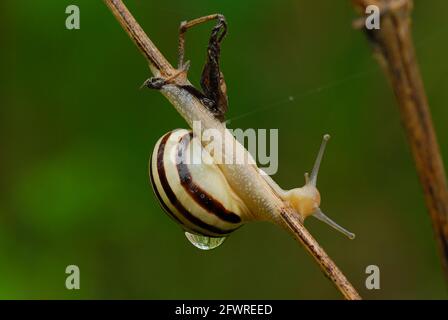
x=159 y=65
x=260 y=193
x=393 y=46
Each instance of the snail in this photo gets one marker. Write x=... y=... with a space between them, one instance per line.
x=196 y=191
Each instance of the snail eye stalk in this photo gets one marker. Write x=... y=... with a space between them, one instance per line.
x=322 y=217
x=311 y=180
x=313 y=177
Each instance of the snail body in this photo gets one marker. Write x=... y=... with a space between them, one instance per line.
x=194 y=192
x=211 y=197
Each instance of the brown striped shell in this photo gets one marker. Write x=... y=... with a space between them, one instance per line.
x=192 y=189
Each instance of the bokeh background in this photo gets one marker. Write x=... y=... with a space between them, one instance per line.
x=76 y=134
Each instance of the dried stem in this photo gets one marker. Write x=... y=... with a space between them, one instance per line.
x=393 y=47
x=239 y=176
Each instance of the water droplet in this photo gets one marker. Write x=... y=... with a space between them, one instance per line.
x=203 y=242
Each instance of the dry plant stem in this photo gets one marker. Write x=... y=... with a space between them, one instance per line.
x=157 y=62
x=238 y=176
x=393 y=46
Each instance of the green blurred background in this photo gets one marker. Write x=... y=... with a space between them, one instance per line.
x=76 y=134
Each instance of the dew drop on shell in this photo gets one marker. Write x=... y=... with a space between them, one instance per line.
x=203 y=242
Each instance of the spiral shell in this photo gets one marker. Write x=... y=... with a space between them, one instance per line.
x=192 y=189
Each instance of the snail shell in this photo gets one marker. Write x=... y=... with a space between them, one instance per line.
x=191 y=188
